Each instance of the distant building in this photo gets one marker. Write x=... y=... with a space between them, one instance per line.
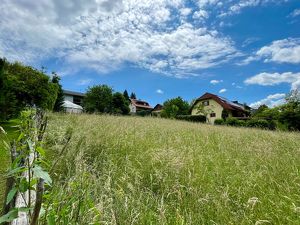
x=74 y=97
x=214 y=106
x=70 y=107
x=73 y=101
x=157 y=110
x=138 y=105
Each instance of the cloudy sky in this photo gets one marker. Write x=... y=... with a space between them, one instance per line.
x=246 y=50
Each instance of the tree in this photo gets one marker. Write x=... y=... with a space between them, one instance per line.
x=120 y=104
x=8 y=103
x=132 y=95
x=99 y=98
x=260 y=110
x=202 y=110
x=126 y=96
x=290 y=112
x=32 y=87
x=174 y=107
x=58 y=105
x=24 y=86
x=225 y=114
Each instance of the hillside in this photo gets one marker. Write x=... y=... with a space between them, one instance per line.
x=143 y=170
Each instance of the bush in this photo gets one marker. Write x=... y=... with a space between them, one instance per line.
x=192 y=118
x=143 y=113
x=231 y=121
x=219 y=122
x=261 y=123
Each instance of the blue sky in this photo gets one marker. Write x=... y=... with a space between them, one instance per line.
x=246 y=50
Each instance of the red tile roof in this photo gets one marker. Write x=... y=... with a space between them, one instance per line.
x=158 y=107
x=140 y=104
x=226 y=104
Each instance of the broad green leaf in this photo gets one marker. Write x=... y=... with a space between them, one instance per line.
x=40 y=173
x=25 y=209
x=20 y=137
x=6 y=145
x=11 y=195
x=23 y=185
x=16 y=170
x=40 y=150
x=10 y=216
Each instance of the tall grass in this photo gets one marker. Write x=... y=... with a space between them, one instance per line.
x=126 y=170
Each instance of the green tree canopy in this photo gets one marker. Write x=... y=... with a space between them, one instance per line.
x=58 y=105
x=120 y=104
x=290 y=112
x=24 y=86
x=126 y=96
x=132 y=95
x=174 y=107
x=99 y=98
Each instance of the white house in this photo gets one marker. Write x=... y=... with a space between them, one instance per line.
x=70 y=107
x=73 y=101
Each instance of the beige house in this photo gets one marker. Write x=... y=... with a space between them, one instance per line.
x=212 y=107
x=138 y=105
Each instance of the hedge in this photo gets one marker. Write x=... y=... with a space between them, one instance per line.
x=192 y=118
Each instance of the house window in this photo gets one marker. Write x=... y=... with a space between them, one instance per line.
x=213 y=115
x=77 y=100
x=205 y=103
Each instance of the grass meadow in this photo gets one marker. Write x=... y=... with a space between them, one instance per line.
x=130 y=170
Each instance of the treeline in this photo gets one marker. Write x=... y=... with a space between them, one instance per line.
x=283 y=117
x=103 y=99
x=24 y=86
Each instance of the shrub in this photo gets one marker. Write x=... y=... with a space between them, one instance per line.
x=225 y=114
x=192 y=118
x=231 y=121
x=143 y=113
x=219 y=122
x=261 y=123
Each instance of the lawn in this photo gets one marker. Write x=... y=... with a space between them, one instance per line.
x=129 y=170
x=12 y=133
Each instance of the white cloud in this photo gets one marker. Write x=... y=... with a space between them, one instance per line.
x=105 y=35
x=185 y=11
x=84 y=81
x=239 y=5
x=271 y=101
x=204 y=3
x=295 y=13
x=223 y=90
x=201 y=14
x=159 y=91
x=215 y=81
x=280 y=51
x=271 y=79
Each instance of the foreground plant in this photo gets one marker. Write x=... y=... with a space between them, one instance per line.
x=27 y=175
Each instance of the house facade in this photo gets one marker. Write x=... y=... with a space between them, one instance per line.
x=157 y=110
x=73 y=101
x=138 y=105
x=74 y=97
x=214 y=106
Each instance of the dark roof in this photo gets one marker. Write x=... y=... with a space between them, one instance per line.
x=225 y=103
x=140 y=103
x=158 y=107
x=74 y=93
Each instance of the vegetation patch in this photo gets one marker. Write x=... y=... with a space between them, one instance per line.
x=131 y=170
